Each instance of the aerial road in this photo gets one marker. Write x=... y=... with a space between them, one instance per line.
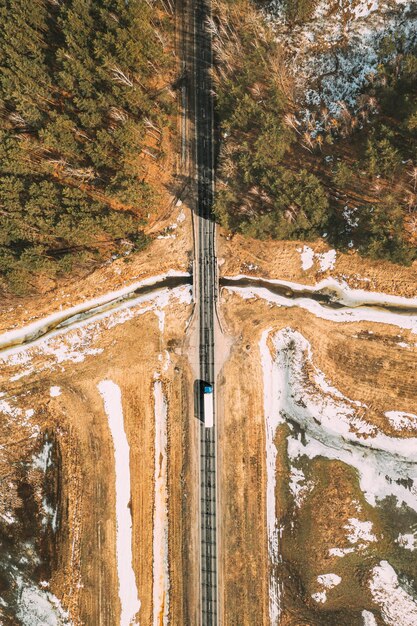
x=206 y=268
x=197 y=60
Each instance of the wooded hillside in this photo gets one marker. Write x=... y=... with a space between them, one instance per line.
x=84 y=85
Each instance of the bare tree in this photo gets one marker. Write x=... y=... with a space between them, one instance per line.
x=413 y=176
x=308 y=141
x=121 y=77
x=291 y=121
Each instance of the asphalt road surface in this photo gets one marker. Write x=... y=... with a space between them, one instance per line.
x=206 y=270
x=198 y=148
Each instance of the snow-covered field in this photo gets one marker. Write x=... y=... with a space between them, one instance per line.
x=331 y=428
x=330 y=422
x=76 y=340
x=128 y=593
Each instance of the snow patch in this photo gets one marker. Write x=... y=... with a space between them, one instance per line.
x=39 y=608
x=359 y=531
x=43 y=460
x=307 y=257
x=401 y=420
x=340 y=551
x=320 y=597
x=299 y=486
x=8 y=518
x=329 y=580
x=50 y=515
x=326 y=260
x=398 y=607
x=55 y=391
x=407 y=541
x=369 y=619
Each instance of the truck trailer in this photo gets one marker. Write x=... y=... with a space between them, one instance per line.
x=208 y=405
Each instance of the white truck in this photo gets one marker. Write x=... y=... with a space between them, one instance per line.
x=208 y=405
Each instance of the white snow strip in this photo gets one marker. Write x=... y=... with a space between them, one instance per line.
x=43 y=460
x=51 y=515
x=22 y=334
x=340 y=292
x=272 y=403
x=369 y=619
x=161 y=581
x=70 y=343
x=55 y=391
x=128 y=592
x=398 y=607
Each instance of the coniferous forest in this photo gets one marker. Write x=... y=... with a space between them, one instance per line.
x=81 y=88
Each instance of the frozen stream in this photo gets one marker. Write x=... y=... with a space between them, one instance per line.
x=329 y=300
x=91 y=309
